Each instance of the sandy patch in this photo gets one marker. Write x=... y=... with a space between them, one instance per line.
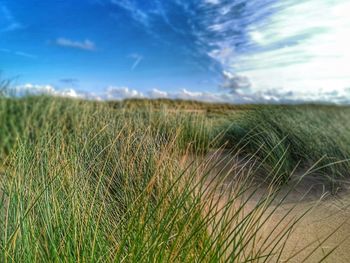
x=323 y=229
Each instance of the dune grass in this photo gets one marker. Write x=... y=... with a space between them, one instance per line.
x=297 y=136
x=86 y=182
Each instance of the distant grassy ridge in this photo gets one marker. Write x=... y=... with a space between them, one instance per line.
x=171 y=104
x=286 y=135
x=26 y=118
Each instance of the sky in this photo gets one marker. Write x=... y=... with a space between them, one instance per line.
x=239 y=51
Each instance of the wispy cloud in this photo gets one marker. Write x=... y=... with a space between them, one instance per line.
x=8 y=22
x=213 y=2
x=18 y=53
x=136 y=13
x=282 y=48
x=24 y=54
x=86 y=44
x=137 y=60
x=5 y=50
x=261 y=46
x=151 y=15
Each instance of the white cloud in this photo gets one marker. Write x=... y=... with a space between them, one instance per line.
x=234 y=82
x=237 y=97
x=224 y=53
x=290 y=48
x=120 y=93
x=35 y=89
x=185 y=94
x=84 y=45
x=111 y=93
x=157 y=94
x=257 y=36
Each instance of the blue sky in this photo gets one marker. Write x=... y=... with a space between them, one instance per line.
x=216 y=50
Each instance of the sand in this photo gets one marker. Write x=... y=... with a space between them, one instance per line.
x=324 y=229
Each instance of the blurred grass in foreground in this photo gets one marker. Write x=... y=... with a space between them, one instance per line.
x=90 y=181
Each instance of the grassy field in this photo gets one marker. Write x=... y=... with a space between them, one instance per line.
x=85 y=181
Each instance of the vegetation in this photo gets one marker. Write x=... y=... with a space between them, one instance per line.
x=297 y=136
x=107 y=182
x=170 y=104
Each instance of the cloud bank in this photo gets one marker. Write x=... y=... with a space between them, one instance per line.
x=35 y=90
x=237 y=97
x=285 y=49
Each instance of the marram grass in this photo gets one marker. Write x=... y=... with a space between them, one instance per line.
x=297 y=136
x=84 y=182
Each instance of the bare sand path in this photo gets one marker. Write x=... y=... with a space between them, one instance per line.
x=326 y=226
x=327 y=217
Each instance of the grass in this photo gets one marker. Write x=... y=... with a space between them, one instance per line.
x=297 y=136
x=104 y=182
x=176 y=105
